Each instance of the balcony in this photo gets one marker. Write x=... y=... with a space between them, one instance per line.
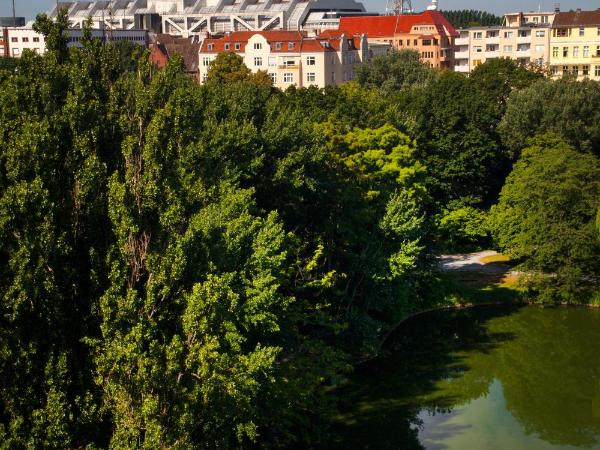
x=493 y=40
x=523 y=54
x=524 y=40
x=461 y=55
x=461 y=41
x=289 y=66
x=492 y=54
x=463 y=68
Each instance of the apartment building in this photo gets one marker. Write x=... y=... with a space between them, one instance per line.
x=575 y=44
x=428 y=33
x=290 y=57
x=524 y=37
x=25 y=38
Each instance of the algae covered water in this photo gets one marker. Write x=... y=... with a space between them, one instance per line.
x=488 y=378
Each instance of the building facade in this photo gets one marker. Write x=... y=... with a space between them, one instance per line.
x=196 y=17
x=575 y=44
x=26 y=38
x=429 y=33
x=524 y=37
x=291 y=58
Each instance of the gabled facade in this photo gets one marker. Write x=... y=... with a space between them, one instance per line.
x=291 y=58
x=429 y=33
x=575 y=44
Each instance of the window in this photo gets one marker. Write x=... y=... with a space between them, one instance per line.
x=586 y=51
x=227 y=46
x=257 y=46
x=581 y=31
x=290 y=45
x=310 y=77
x=272 y=61
x=289 y=62
x=257 y=61
x=288 y=77
x=565 y=52
x=544 y=19
x=565 y=70
x=14 y=39
x=562 y=32
x=277 y=45
x=508 y=34
x=333 y=77
x=555 y=52
x=310 y=61
x=585 y=70
x=211 y=46
x=206 y=61
x=576 y=71
x=427 y=42
x=539 y=48
x=598 y=50
x=576 y=52
x=477 y=49
x=15 y=51
x=237 y=46
x=555 y=70
x=477 y=35
x=597 y=71
x=25 y=39
x=540 y=33
x=204 y=77
x=539 y=61
x=273 y=77
x=523 y=33
x=507 y=49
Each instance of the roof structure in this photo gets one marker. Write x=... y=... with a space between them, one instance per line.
x=577 y=18
x=279 y=41
x=388 y=26
x=197 y=17
x=170 y=46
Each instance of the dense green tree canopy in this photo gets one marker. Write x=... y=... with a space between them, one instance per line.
x=547 y=211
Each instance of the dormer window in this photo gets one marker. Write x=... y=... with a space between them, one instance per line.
x=237 y=46
x=290 y=45
x=277 y=45
x=227 y=46
x=210 y=46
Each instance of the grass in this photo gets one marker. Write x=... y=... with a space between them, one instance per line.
x=497 y=258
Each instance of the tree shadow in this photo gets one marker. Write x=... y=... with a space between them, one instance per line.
x=379 y=406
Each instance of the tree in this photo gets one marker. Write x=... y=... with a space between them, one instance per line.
x=564 y=107
x=546 y=215
x=464 y=18
x=394 y=71
x=227 y=67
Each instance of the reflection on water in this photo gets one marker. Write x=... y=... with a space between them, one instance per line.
x=486 y=378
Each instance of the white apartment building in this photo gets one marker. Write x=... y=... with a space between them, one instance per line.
x=524 y=37
x=25 y=38
x=291 y=57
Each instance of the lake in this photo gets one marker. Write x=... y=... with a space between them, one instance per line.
x=487 y=378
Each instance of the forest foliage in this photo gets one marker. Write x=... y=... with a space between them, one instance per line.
x=188 y=266
x=464 y=18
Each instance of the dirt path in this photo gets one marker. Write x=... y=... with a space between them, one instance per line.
x=472 y=262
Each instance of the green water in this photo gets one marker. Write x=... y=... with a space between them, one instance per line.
x=481 y=379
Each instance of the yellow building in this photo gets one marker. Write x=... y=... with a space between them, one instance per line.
x=575 y=44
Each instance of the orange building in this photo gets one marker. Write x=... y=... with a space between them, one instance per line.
x=428 y=33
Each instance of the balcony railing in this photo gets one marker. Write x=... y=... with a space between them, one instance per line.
x=461 y=41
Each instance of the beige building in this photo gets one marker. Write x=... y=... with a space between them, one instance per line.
x=291 y=58
x=524 y=37
x=575 y=44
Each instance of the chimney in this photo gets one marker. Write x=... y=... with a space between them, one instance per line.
x=557 y=7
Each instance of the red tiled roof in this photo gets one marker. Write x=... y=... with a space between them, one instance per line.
x=388 y=26
x=576 y=19
x=297 y=39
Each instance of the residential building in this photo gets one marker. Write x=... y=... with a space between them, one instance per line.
x=575 y=44
x=25 y=38
x=3 y=43
x=164 y=46
x=197 y=17
x=429 y=33
x=291 y=58
x=524 y=37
